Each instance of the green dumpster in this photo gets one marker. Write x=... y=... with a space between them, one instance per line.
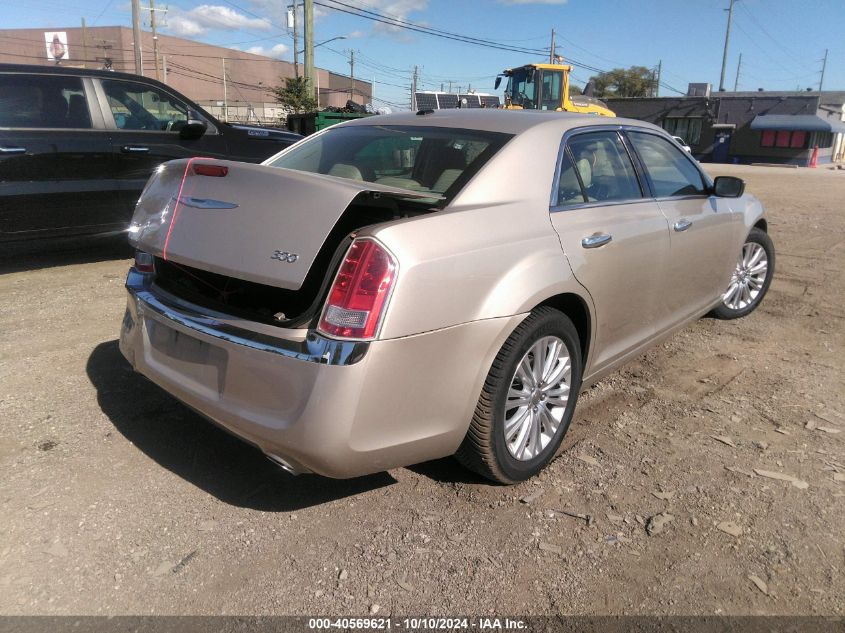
x=311 y=122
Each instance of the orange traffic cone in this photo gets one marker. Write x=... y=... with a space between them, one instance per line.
x=814 y=159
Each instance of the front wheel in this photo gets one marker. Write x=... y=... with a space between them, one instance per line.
x=527 y=401
x=751 y=278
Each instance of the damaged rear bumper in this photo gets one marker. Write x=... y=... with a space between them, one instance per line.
x=314 y=404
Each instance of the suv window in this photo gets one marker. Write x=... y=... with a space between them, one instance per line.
x=43 y=101
x=604 y=167
x=669 y=169
x=137 y=106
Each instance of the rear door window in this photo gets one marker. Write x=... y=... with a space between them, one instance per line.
x=604 y=167
x=569 y=190
x=670 y=170
x=43 y=101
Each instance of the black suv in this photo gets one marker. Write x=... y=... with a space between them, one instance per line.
x=77 y=146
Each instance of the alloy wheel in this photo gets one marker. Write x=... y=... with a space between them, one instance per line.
x=748 y=278
x=537 y=398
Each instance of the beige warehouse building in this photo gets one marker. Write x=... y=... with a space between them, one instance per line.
x=192 y=68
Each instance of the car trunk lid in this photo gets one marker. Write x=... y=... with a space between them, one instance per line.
x=253 y=222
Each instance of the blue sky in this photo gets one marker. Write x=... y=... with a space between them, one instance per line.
x=782 y=41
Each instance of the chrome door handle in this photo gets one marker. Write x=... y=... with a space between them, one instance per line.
x=12 y=150
x=135 y=149
x=594 y=241
x=682 y=225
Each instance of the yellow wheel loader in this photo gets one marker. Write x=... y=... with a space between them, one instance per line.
x=546 y=87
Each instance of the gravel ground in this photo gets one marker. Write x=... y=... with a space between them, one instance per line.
x=118 y=500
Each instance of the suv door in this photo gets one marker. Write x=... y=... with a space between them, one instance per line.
x=54 y=158
x=616 y=240
x=704 y=231
x=145 y=122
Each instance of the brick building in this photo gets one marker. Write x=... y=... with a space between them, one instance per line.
x=192 y=68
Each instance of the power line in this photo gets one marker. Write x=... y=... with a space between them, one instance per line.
x=449 y=35
x=790 y=54
x=395 y=22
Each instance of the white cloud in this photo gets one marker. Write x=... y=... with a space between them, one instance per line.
x=206 y=17
x=276 y=52
x=533 y=1
x=400 y=9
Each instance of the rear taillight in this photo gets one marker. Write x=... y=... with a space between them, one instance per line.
x=144 y=262
x=360 y=292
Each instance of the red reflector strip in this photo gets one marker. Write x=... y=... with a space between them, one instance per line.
x=218 y=171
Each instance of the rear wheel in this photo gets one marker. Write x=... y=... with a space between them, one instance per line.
x=527 y=401
x=751 y=278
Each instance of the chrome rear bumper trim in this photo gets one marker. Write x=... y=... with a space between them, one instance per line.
x=314 y=348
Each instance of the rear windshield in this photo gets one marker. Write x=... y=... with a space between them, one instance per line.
x=435 y=160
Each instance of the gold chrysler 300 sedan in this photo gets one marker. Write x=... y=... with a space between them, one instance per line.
x=405 y=287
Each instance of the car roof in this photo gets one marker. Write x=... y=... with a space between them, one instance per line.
x=69 y=70
x=496 y=120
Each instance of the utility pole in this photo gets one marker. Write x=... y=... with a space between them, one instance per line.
x=738 y=67
x=725 y=52
x=155 y=37
x=414 y=90
x=309 y=46
x=295 y=40
x=225 y=93
x=450 y=86
x=84 y=45
x=164 y=68
x=655 y=89
x=824 y=65
x=351 y=74
x=136 y=35
x=552 y=49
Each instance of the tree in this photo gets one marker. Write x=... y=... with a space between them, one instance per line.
x=294 y=95
x=636 y=81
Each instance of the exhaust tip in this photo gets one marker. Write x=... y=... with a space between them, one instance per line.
x=286 y=465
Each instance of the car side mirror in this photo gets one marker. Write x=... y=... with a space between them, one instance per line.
x=194 y=127
x=498 y=83
x=728 y=187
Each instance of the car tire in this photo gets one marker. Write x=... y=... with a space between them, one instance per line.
x=511 y=392
x=751 y=278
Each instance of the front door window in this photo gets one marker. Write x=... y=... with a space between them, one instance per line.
x=670 y=170
x=137 y=106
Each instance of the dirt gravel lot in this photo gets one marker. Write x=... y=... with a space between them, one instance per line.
x=116 y=499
